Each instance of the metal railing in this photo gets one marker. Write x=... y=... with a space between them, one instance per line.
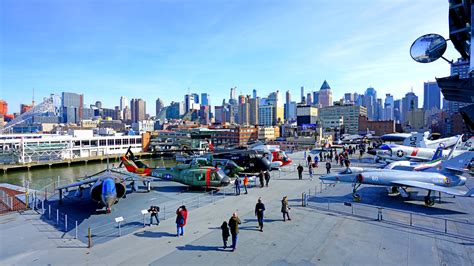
x=73 y=226
x=447 y=226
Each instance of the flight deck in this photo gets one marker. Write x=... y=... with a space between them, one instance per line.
x=330 y=230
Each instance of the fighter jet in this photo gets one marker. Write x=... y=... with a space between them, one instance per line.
x=420 y=140
x=394 y=152
x=422 y=166
x=444 y=178
x=106 y=187
x=187 y=174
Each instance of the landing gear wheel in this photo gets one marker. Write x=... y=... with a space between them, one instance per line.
x=356 y=197
x=429 y=201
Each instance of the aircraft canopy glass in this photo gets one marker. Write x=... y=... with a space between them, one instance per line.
x=346 y=171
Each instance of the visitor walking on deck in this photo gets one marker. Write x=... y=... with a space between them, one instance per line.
x=237 y=186
x=260 y=177
x=310 y=169
x=328 y=167
x=309 y=159
x=234 y=229
x=181 y=217
x=267 y=178
x=259 y=209
x=246 y=183
x=285 y=209
x=225 y=233
x=300 y=171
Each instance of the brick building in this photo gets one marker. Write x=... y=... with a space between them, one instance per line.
x=379 y=127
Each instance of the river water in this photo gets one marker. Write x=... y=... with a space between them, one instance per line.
x=38 y=178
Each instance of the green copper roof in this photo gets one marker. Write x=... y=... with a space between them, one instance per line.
x=325 y=86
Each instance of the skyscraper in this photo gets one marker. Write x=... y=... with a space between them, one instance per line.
x=309 y=99
x=370 y=102
x=138 y=110
x=397 y=110
x=188 y=102
x=388 y=107
x=325 y=95
x=159 y=106
x=431 y=95
x=409 y=103
x=254 y=94
x=71 y=107
x=315 y=97
x=244 y=110
x=123 y=102
x=196 y=97
x=205 y=99
x=233 y=93
x=302 y=94
x=253 y=110
x=287 y=104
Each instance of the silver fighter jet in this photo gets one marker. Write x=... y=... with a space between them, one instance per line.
x=446 y=177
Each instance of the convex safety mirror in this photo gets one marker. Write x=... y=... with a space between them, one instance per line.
x=428 y=48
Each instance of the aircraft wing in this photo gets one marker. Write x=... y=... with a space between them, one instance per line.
x=428 y=186
x=79 y=183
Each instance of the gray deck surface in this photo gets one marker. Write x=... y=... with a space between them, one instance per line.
x=315 y=236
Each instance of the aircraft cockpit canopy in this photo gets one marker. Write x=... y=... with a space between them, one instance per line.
x=346 y=171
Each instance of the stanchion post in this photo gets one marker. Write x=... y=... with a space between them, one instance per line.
x=411 y=219
x=76 y=231
x=57 y=216
x=65 y=223
x=164 y=212
x=89 y=238
x=328 y=204
x=42 y=206
x=49 y=212
x=445 y=226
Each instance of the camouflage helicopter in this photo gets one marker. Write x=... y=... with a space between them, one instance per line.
x=193 y=175
x=229 y=167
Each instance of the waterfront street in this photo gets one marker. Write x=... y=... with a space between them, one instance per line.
x=313 y=237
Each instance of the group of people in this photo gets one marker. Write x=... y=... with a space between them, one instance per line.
x=263 y=176
x=234 y=221
x=181 y=218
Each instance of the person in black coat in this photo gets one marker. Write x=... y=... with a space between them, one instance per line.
x=267 y=178
x=259 y=209
x=300 y=171
x=328 y=167
x=225 y=233
x=260 y=177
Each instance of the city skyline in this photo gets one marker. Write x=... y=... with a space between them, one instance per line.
x=125 y=57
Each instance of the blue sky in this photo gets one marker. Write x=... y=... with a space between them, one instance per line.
x=150 y=49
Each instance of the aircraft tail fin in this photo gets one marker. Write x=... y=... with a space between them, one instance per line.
x=129 y=165
x=415 y=140
x=469 y=144
x=438 y=154
x=460 y=163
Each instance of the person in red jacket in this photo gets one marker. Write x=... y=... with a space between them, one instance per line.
x=181 y=217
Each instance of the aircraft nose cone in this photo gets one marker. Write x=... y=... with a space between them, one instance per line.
x=462 y=180
x=225 y=181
